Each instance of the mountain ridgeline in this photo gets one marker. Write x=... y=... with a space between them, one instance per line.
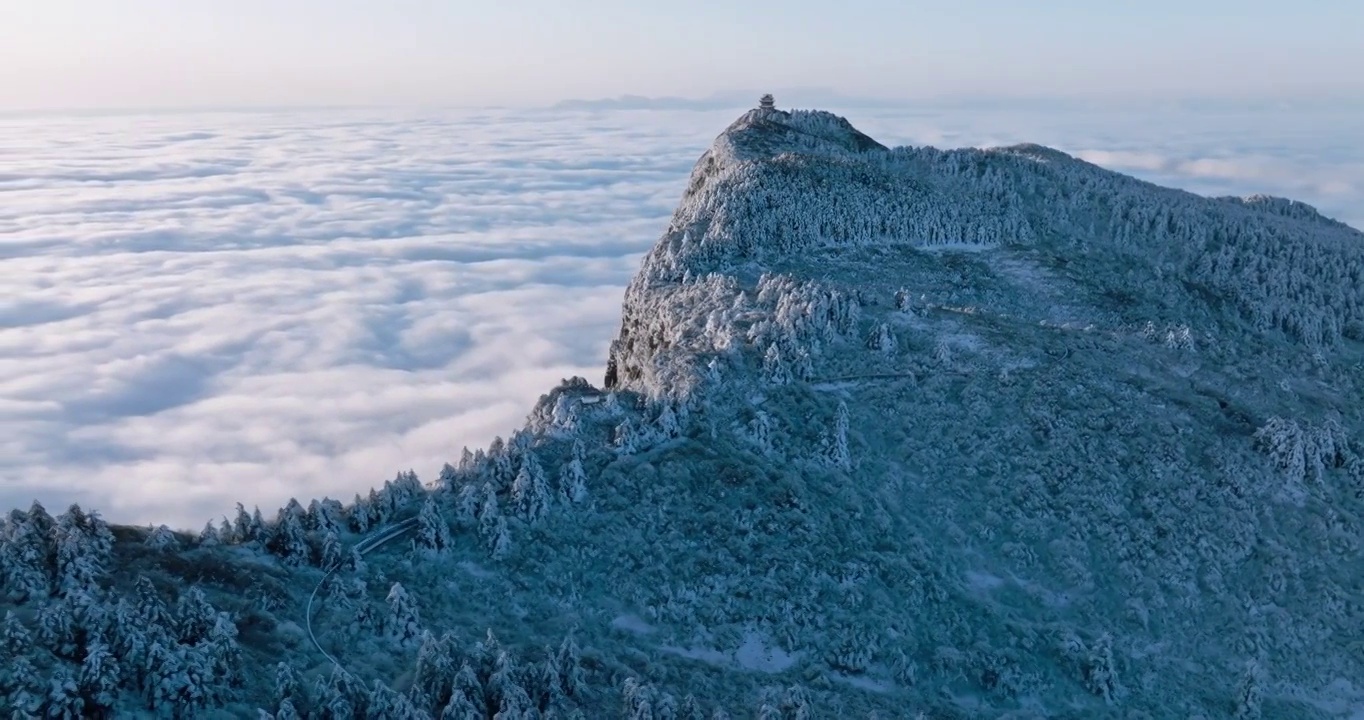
x=885 y=432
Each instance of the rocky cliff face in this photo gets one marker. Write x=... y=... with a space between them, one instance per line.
x=972 y=433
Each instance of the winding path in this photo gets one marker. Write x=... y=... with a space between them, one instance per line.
x=366 y=545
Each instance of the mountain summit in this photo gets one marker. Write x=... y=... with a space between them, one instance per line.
x=1079 y=435
x=967 y=433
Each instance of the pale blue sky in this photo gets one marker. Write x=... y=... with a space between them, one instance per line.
x=140 y=53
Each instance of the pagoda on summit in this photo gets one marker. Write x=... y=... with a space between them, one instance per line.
x=766 y=102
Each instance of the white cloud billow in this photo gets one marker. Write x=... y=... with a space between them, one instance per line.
x=201 y=309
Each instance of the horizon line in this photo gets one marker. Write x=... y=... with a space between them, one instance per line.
x=714 y=101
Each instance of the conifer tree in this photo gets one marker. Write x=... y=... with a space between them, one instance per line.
x=161 y=538
x=315 y=518
x=82 y=544
x=258 y=531
x=467 y=685
x=99 y=678
x=882 y=339
x=570 y=665
x=378 y=508
x=363 y=619
x=151 y=610
x=225 y=653
x=194 y=616
x=360 y=518
x=469 y=462
x=488 y=513
x=64 y=701
x=192 y=688
x=433 y=534
x=287 y=711
x=460 y=707
x=22 y=689
x=57 y=629
x=549 y=684
x=838 y=442
x=573 y=478
x=501 y=471
x=530 y=490
x=42 y=522
x=466 y=506
x=15 y=639
x=290 y=542
x=159 y=679
x=774 y=367
x=404 y=624
x=449 y=479
x=500 y=543
x=27 y=555
x=209 y=537
x=287 y=686
x=242 y=526
x=334 y=697
x=505 y=691
x=434 y=672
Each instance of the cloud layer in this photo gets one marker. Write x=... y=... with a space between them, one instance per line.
x=200 y=309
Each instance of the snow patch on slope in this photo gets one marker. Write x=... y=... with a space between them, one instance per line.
x=757 y=652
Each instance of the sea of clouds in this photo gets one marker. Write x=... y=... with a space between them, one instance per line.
x=200 y=309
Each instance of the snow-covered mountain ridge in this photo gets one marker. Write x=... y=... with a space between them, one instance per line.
x=968 y=433
x=777 y=186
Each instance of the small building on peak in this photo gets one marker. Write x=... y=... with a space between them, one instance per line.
x=766 y=102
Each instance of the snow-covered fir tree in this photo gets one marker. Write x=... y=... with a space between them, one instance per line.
x=449 y=479
x=570 y=667
x=290 y=541
x=223 y=651
x=209 y=536
x=882 y=339
x=194 y=616
x=15 y=639
x=287 y=685
x=467 y=504
x=489 y=513
x=530 y=490
x=837 y=448
x=99 y=678
x=499 y=540
x=64 y=700
x=573 y=477
x=161 y=538
x=505 y=692
x=433 y=534
x=82 y=543
x=359 y=517
x=332 y=554
x=501 y=469
x=404 y=622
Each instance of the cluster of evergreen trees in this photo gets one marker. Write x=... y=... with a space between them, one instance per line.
x=309 y=536
x=447 y=682
x=83 y=644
